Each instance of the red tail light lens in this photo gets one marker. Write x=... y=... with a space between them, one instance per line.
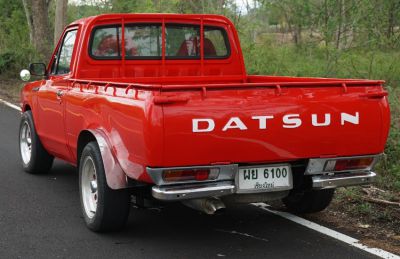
x=349 y=164
x=180 y=175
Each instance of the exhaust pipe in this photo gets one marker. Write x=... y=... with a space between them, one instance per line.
x=209 y=205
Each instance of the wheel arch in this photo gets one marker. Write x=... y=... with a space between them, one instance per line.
x=26 y=107
x=84 y=138
x=116 y=177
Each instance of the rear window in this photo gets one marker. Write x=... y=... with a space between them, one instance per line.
x=215 y=42
x=141 y=41
x=144 y=41
x=182 y=41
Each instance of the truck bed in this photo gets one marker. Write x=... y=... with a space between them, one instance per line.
x=348 y=118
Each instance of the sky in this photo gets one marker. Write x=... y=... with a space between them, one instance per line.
x=240 y=3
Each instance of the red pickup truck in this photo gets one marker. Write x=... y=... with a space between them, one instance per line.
x=159 y=106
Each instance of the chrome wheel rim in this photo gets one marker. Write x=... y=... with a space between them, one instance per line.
x=26 y=143
x=89 y=187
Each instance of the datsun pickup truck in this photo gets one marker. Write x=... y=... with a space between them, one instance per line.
x=159 y=107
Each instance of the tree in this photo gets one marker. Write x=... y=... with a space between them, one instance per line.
x=60 y=20
x=36 y=12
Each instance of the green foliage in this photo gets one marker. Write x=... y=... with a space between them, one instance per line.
x=348 y=193
x=364 y=208
x=6 y=60
x=270 y=58
x=15 y=49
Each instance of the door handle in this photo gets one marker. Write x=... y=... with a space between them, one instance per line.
x=60 y=93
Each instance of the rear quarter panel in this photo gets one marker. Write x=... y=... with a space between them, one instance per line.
x=133 y=126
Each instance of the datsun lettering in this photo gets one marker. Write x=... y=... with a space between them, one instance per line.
x=157 y=108
x=290 y=121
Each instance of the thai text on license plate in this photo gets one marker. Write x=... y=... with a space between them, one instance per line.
x=264 y=178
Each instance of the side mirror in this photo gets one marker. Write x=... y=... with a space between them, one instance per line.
x=25 y=75
x=37 y=69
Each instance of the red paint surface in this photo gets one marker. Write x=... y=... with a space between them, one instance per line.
x=147 y=115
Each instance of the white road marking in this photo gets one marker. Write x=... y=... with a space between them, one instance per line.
x=242 y=234
x=311 y=225
x=329 y=232
x=15 y=107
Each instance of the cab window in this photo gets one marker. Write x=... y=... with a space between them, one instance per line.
x=106 y=42
x=215 y=42
x=182 y=41
x=144 y=41
x=63 y=65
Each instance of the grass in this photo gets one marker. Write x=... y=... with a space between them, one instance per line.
x=312 y=60
x=351 y=199
x=364 y=208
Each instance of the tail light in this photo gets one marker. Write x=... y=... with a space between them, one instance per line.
x=349 y=164
x=180 y=175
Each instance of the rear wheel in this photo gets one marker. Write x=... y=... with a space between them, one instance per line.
x=35 y=159
x=310 y=201
x=103 y=209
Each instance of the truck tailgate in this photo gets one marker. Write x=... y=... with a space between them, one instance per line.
x=230 y=125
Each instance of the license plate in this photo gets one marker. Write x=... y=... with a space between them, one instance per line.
x=264 y=178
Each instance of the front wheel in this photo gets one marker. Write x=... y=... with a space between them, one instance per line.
x=310 y=201
x=35 y=159
x=103 y=209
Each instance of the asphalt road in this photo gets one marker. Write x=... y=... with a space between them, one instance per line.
x=40 y=218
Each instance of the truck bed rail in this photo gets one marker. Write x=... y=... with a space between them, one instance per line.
x=345 y=83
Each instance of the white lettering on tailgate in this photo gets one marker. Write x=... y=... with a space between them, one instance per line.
x=209 y=122
x=355 y=119
x=289 y=121
x=327 y=122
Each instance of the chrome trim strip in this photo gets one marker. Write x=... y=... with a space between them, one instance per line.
x=174 y=193
x=347 y=179
x=226 y=172
x=316 y=165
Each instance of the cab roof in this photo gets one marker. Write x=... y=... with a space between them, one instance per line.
x=130 y=16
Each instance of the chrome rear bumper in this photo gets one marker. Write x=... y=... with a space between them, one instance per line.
x=347 y=179
x=193 y=191
x=225 y=185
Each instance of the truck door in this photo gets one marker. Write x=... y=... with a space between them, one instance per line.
x=50 y=105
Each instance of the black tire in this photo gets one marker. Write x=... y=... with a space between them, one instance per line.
x=112 y=209
x=310 y=201
x=38 y=161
